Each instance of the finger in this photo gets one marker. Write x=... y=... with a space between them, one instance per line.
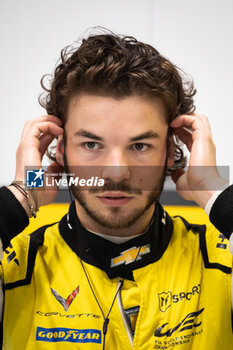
x=185 y=137
x=45 y=118
x=183 y=120
x=45 y=141
x=189 y=130
x=54 y=171
x=193 y=121
x=176 y=174
x=55 y=168
x=43 y=128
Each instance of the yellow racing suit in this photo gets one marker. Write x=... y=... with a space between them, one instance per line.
x=173 y=283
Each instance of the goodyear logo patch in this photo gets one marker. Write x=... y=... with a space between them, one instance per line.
x=68 y=335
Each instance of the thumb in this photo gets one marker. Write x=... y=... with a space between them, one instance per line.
x=176 y=174
x=55 y=168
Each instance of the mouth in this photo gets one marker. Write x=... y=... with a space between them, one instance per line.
x=116 y=199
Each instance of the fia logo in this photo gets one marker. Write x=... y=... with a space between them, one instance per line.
x=165 y=301
x=35 y=178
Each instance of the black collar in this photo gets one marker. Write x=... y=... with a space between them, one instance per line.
x=109 y=256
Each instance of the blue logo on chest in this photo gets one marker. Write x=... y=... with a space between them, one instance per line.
x=68 y=335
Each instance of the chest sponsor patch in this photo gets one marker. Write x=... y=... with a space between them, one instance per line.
x=70 y=335
x=189 y=322
x=65 y=302
x=166 y=299
x=130 y=255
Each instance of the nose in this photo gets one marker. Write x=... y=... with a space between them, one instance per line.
x=116 y=166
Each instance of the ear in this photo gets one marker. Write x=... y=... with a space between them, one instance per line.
x=171 y=152
x=60 y=151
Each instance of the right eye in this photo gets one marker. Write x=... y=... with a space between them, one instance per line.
x=91 y=145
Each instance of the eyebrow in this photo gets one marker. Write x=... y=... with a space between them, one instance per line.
x=146 y=135
x=90 y=135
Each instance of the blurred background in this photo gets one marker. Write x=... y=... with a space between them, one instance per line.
x=195 y=35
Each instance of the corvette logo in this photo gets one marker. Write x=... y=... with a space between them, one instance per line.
x=65 y=302
x=130 y=255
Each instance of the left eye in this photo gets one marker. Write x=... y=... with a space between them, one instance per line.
x=140 y=146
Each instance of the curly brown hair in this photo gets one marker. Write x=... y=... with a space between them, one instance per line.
x=119 y=66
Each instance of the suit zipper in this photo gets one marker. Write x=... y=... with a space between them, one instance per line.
x=122 y=312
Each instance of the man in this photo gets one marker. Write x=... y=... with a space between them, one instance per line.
x=117 y=272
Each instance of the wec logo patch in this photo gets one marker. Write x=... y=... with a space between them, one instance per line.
x=68 y=335
x=188 y=322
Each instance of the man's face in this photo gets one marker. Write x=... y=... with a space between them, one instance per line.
x=115 y=138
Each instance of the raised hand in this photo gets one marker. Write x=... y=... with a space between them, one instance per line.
x=201 y=179
x=37 y=134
